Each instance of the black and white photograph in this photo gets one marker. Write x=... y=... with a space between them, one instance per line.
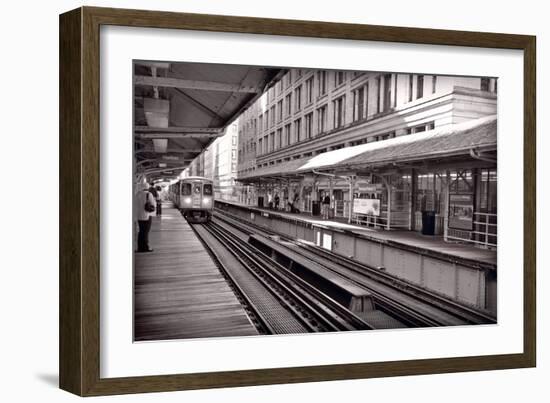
x=275 y=200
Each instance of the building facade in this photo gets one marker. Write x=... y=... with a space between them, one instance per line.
x=310 y=114
x=219 y=163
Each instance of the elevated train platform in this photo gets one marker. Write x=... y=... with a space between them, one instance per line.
x=179 y=292
x=433 y=245
x=461 y=271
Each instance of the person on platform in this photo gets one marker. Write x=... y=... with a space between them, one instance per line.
x=277 y=201
x=145 y=208
x=294 y=203
x=326 y=205
x=159 y=200
x=155 y=194
x=270 y=201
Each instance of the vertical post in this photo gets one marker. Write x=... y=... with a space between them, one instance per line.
x=388 y=222
x=351 y=181
x=446 y=206
x=331 y=190
x=412 y=202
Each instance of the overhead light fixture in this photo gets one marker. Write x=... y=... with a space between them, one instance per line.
x=156 y=112
x=160 y=145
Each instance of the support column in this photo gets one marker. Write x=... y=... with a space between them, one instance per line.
x=351 y=182
x=412 y=202
x=446 y=205
x=331 y=190
x=388 y=222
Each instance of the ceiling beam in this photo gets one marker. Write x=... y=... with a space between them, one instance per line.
x=159 y=65
x=155 y=170
x=171 y=150
x=178 y=92
x=171 y=82
x=164 y=161
x=158 y=135
x=177 y=129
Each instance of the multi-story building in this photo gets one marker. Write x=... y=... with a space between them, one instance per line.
x=308 y=114
x=219 y=163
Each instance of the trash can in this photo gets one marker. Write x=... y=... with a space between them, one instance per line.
x=315 y=208
x=428 y=223
x=260 y=201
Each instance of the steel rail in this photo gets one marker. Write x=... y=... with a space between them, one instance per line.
x=465 y=313
x=321 y=306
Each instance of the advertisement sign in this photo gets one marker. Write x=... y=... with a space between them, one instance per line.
x=461 y=211
x=366 y=206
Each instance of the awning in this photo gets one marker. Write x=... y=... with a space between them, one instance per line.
x=453 y=140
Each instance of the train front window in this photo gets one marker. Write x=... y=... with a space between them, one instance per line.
x=186 y=189
x=197 y=188
x=207 y=190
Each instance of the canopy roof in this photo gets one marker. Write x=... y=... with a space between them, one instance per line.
x=453 y=140
x=180 y=108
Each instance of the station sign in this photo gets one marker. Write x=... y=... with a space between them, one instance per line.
x=461 y=211
x=366 y=206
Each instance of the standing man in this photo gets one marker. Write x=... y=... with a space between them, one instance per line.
x=145 y=208
x=159 y=199
x=326 y=205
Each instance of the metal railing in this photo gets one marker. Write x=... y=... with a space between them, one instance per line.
x=484 y=231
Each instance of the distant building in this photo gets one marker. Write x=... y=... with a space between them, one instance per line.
x=288 y=142
x=219 y=163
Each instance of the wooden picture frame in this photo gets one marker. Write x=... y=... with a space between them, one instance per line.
x=80 y=187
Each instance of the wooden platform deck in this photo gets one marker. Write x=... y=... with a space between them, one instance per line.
x=179 y=292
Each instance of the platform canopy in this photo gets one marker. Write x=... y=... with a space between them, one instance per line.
x=474 y=139
x=180 y=108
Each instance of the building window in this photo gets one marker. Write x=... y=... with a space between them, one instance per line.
x=288 y=79
x=234 y=140
x=266 y=144
x=485 y=84
x=279 y=140
x=410 y=87
x=272 y=114
x=298 y=98
x=419 y=86
x=288 y=105
x=309 y=90
x=434 y=84
x=260 y=146
x=378 y=94
x=308 y=125
x=321 y=119
x=280 y=110
x=339 y=111
x=359 y=104
x=266 y=114
x=387 y=92
x=287 y=135
x=271 y=142
x=297 y=130
x=322 y=79
x=339 y=78
x=233 y=154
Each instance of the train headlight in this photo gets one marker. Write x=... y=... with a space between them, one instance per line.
x=206 y=200
x=187 y=200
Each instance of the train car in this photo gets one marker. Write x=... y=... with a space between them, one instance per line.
x=194 y=197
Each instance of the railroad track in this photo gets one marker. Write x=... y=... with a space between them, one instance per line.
x=409 y=303
x=278 y=301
